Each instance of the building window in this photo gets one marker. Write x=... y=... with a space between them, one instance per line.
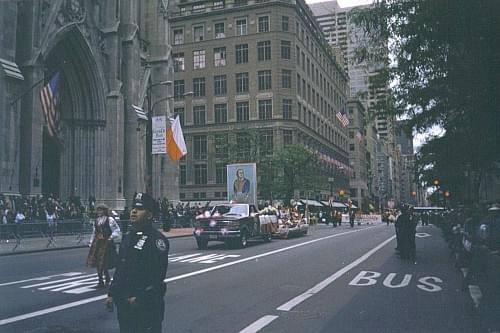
x=198 y=33
x=287 y=137
x=220 y=57
x=242 y=53
x=351 y=147
x=180 y=112
x=199 y=87
x=286 y=78
x=284 y=23
x=351 y=135
x=285 y=49
x=241 y=82
x=178 y=36
x=220 y=173
x=179 y=62
x=219 y=29
x=199 y=59
x=182 y=175
x=265 y=109
x=178 y=89
x=220 y=85
x=218 y=5
x=242 y=111
x=264 y=50
x=200 y=174
x=200 y=147
x=264 y=24
x=220 y=113
x=353 y=192
x=241 y=27
x=287 y=108
x=199 y=114
x=221 y=145
x=297 y=55
x=266 y=142
x=244 y=145
x=198 y=8
x=264 y=79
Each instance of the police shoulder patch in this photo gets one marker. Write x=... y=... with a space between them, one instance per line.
x=160 y=244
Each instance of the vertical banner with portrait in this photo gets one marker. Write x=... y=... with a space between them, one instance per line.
x=242 y=183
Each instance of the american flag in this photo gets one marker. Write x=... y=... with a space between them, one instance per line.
x=49 y=97
x=343 y=118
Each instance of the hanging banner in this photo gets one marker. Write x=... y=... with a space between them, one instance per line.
x=242 y=183
x=159 y=139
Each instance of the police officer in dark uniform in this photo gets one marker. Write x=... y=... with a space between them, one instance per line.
x=137 y=288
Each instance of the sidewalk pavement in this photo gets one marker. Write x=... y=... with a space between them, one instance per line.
x=38 y=244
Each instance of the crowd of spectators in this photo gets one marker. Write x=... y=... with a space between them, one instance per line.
x=19 y=209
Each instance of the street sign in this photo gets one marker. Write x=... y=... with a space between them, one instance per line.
x=159 y=139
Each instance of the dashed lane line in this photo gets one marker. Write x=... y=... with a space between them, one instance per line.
x=323 y=284
x=259 y=324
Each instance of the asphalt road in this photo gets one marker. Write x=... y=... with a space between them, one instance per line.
x=331 y=280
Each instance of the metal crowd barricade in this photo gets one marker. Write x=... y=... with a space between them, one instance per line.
x=40 y=234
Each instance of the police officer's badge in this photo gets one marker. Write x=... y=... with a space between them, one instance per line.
x=160 y=245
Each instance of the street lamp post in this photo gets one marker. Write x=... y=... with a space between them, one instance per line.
x=149 y=130
x=149 y=134
x=330 y=181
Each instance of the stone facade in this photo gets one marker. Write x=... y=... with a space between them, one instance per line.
x=108 y=53
x=253 y=66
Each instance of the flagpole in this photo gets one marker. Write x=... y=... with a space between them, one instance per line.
x=31 y=88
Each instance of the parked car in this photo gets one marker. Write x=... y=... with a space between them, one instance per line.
x=234 y=224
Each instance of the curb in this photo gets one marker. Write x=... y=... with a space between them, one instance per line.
x=67 y=247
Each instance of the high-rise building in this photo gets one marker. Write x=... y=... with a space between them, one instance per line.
x=358 y=153
x=257 y=69
x=365 y=85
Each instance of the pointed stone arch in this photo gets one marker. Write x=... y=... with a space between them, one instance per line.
x=82 y=108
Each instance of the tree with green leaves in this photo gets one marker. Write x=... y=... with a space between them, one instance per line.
x=445 y=71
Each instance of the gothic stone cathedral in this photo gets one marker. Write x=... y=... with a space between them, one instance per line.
x=111 y=54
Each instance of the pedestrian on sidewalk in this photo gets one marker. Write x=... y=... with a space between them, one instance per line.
x=138 y=286
x=105 y=232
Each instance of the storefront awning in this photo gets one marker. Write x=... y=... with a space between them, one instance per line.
x=311 y=203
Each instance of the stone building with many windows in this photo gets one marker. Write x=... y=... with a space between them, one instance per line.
x=256 y=69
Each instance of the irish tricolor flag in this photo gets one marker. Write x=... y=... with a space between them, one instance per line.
x=176 y=147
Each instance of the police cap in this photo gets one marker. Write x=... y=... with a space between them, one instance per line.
x=144 y=201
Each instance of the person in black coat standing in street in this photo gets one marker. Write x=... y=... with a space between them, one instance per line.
x=138 y=286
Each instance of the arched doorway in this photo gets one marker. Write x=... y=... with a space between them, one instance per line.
x=50 y=165
x=69 y=163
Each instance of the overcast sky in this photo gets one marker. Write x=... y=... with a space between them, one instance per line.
x=345 y=3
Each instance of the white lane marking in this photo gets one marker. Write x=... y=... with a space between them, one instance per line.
x=57 y=281
x=71 y=284
x=475 y=294
x=42 y=278
x=93 y=299
x=50 y=310
x=323 y=284
x=213 y=268
x=259 y=324
x=422 y=234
